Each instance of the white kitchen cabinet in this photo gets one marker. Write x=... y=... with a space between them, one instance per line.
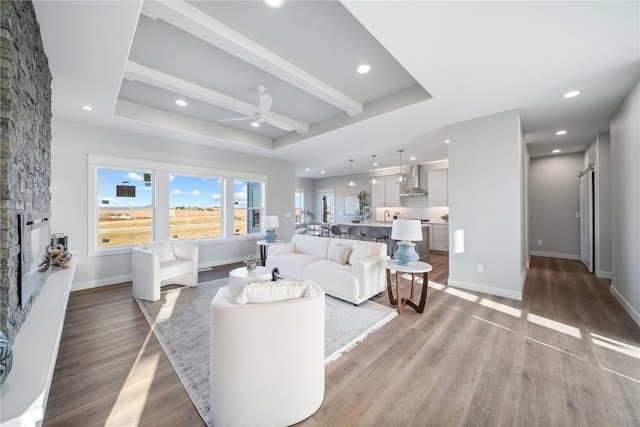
x=439 y=237
x=438 y=188
x=387 y=193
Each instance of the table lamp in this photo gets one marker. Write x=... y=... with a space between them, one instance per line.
x=270 y=223
x=407 y=231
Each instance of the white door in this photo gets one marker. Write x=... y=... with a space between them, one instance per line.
x=325 y=206
x=586 y=220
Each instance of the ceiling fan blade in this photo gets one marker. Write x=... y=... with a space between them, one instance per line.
x=265 y=104
x=236 y=119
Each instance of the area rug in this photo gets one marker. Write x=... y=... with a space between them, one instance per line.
x=181 y=322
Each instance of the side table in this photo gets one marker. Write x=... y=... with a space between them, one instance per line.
x=263 y=244
x=417 y=268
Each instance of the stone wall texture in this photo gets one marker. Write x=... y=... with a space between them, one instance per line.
x=25 y=146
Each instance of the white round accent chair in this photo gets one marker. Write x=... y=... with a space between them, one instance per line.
x=267 y=359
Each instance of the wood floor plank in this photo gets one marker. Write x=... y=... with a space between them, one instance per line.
x=562 y=356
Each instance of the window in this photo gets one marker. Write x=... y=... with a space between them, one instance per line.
x=125 y=207
x=299 y=205
x=195 y=207
x=247 y=204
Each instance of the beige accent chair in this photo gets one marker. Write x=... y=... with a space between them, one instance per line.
x=267 y=360
x=163 y=263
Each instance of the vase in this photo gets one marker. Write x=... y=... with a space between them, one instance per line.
x=6 y=357
x=252 y=266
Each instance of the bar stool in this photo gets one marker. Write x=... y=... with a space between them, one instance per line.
x=337 y=231
x=378 y=234
x=354 y=232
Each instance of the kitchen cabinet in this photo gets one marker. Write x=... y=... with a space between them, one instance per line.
x=440 y=237
x=438 y=188
x=387 y=193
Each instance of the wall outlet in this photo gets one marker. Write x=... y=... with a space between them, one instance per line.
x=539 y=242
x=480 y=268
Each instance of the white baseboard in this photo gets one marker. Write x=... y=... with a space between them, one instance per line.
x=555 y=255
x=486 y=289
x=101 y=282
x=604 y=274
x=129 y=277
x=627 y=307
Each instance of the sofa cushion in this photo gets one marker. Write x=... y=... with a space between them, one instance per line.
x=310 y=245
x=260 y=292
x=164 y=250
x=339 y=254
x=335 y=279
x=291 y=265
x=359 y=252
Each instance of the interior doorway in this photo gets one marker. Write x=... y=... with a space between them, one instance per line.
x=586 y=218
x=325 y=206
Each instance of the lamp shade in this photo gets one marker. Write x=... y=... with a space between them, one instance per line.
x=270 y=221
x=406 y=230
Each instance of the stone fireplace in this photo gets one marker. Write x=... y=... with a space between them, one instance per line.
x=25 y=146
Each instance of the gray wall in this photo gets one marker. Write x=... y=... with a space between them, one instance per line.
x=309 y=188
x=69 y=193
x=599 y=152
x=554 y=200
x=340 y=189
x=625 y=202
x=486 y=178
x=25 y=141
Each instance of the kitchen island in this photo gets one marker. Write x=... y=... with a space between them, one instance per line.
x=422 y=247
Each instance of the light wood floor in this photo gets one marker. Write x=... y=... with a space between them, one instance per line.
x=568 y=354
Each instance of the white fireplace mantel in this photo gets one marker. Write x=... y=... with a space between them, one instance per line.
x=23 y=395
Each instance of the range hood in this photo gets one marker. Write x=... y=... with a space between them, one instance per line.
x=414 y=182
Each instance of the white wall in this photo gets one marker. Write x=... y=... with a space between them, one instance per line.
x=554 y=200
x=625 y=202
x=486 y=173
x=599 y=152
x=73 y=142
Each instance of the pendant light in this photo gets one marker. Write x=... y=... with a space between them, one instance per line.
x=374 y=180
x=400 y=177
x=351 y=182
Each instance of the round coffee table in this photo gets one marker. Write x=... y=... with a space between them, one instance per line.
x=241 y=276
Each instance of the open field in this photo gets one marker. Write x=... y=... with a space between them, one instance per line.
x=122 y=227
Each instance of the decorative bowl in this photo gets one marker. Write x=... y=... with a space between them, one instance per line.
x=355 y=221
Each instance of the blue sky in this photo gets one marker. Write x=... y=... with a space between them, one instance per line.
x=184 y=190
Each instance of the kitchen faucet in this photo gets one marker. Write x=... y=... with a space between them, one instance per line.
x=386 y=214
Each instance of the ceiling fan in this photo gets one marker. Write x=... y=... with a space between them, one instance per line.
x=264 y=105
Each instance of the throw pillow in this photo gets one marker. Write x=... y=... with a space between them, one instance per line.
x=164 y=250
x=358 y=252
x=339 y=254
x=259 y=292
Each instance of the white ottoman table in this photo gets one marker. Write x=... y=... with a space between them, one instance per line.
x=241 y=276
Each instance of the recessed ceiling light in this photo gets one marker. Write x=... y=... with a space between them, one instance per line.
x=556 y=151
x=446 y=141
x=322 y=172
x=307 y=169
x=412 y=158
x=363 y=69
x=571 y=94
x=181 y=102
x=375 y=164
x=275 y=4
x=255 y=124
x=87 y=108
x=561 y=132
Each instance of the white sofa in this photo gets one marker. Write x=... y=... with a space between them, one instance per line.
x=267 y=360
x=163 y=263
x=309 y=258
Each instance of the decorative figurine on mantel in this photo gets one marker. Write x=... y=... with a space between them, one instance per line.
x=56 y=256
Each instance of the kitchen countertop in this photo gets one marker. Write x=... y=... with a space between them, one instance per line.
x=375 y=224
